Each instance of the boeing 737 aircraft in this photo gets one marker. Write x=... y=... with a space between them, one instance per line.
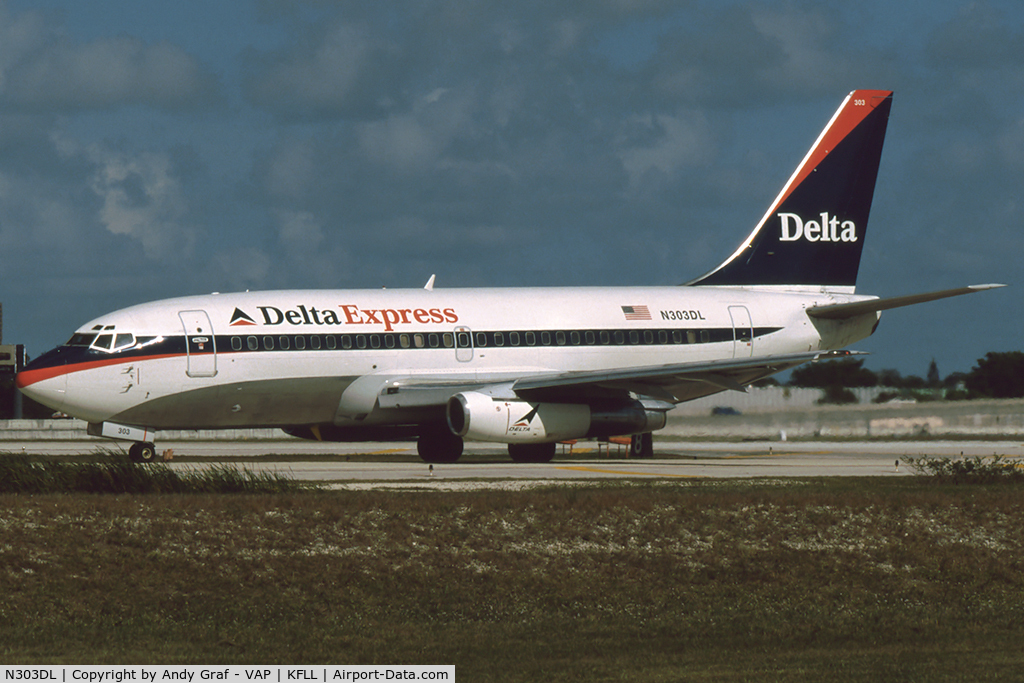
x=526 y=367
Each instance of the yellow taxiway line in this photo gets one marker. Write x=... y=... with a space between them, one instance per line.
x=628 y=474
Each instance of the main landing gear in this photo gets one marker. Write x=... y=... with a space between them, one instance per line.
x=439 y=446
x=142 y=451
x=532 y=452
x=445 y=447
x=641 y=445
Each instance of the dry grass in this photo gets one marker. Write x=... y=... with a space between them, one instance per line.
x=845 y=580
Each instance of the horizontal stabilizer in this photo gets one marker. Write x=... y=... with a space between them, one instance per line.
x=843 y=311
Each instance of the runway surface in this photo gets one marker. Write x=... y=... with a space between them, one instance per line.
x=396 y=465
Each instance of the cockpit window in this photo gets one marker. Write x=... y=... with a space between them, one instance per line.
x=114 y=342
x=80 y=339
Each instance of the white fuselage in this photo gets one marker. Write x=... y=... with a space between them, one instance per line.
x=311 y=357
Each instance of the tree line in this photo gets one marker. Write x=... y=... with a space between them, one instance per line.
x=997 y=375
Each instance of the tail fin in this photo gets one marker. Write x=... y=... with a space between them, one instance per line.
x=813 y=234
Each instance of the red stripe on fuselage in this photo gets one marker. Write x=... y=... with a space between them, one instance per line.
x=27 y=378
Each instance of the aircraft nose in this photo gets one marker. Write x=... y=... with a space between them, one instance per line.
x=45 y=381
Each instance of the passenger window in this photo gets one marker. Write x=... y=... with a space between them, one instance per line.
x=332 y=342
x=236 y=343
x=499 y=339
x=531 y=339
x=300 y=342
x=545 y=339
x=605 y=337
x=560 y=338
x=253 y=343
x=513 y=338
x=574 y=338
x=589 y=336
x=662 y=337
x=418 y=341
x=648 y=337
x=433 y=340
x=634 y=337
x=619 y=336
x=268 y=343
x=481 y=339
x=283 y=342
x=705 y=336
x=449 y=342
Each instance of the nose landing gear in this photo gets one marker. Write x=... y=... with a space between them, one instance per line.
x=142 y=451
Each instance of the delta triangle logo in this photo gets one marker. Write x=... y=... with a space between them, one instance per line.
x=525 y=420
x=240 y=317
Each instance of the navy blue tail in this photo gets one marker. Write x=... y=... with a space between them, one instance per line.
x=813 y=234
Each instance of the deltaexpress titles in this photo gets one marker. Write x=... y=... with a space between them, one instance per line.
x=350 y=314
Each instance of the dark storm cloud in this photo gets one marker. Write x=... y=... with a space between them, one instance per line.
x=615 y=142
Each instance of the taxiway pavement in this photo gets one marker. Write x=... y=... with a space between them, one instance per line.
x=486 y=465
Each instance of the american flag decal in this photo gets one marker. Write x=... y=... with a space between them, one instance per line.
x=636 y=312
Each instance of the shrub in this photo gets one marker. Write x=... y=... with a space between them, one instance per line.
x=972 y=470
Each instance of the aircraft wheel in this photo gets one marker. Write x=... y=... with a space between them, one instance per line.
x=641 y=445
x=141 y=451
x=439 y=447
x=532 y=452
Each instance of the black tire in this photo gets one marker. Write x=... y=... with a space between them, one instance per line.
x=439 y=447
x=532 y=452
x=641 y=445
x=142 y=451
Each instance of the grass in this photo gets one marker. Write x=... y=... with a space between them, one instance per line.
x=841 y=579
x=115 y=473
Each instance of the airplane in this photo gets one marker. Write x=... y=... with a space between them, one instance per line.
x=527 y=367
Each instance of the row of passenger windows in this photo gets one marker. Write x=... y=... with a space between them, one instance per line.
x=467 y=339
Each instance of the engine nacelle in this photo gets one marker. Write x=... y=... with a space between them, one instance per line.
x=478 y=416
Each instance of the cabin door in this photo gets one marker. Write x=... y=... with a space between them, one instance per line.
x=200 y=344
x=742 y=332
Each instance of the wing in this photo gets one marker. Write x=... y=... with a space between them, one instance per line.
x=673 y=383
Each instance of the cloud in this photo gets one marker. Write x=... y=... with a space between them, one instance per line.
x=979 y=37
x=341 y=70
x=750 y=55
x=674 y=141
x=44 y=70
x=143 y=200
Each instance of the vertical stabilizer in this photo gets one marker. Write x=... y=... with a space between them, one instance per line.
x=813 y=234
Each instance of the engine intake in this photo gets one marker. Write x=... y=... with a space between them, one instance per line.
x=478 y=416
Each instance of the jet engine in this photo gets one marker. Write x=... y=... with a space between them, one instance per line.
x=478 y=416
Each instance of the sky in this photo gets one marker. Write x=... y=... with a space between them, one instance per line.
x=153 y=150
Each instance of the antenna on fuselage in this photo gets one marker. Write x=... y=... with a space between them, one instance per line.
x=430 y=283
